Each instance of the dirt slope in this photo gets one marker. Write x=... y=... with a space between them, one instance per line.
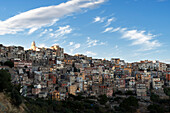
x=7 y=107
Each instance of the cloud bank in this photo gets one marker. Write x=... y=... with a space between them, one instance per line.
x=142 y=38
x=44 y=16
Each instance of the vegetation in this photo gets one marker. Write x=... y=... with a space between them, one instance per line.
x=119 y=92
x=129 y=104
x=129 y=93
x=103 y=99
x=154 y=97
x=79 y=104
x=68 y=106
x=13 y=91
x=159 y=105
x=5 y=81
x=16 y=97
x=167 y=91
x=155 y=108
x=9 y=63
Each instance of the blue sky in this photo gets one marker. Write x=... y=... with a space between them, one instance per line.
x=132 y=30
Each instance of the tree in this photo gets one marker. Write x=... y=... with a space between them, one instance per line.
x=9 y=63
x=103 y=99
x=129 y=93
x=167 y=91
x=129 y=104
x=16 y=97
x=5 y=81
x=1 y=63
x=119 y=92
x=155 y=109
x=154 y=97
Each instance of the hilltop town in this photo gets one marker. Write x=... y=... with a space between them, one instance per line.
x=51 y=73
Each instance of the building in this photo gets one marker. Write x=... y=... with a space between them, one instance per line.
x=72 y=89
x=141 y=90
x=157 y=83
x=56 y=95
x=33 y=46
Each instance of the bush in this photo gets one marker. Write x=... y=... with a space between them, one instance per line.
x=16 y=97
x=154 y=97
x=5 y=81
x=129 y=93
x=167 y=91
x=119 y=92
x=155 y=109
x=103 y=99
x=129 y=105
x=9 y=63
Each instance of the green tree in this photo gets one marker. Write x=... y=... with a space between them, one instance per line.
x=129 y=93
x=154 y=97
x=9 y=63
x=129 y=104
x=103 y=99
x=16 y=97
x=167 y=91
x=119 y=92
x=5 y=81
x=155 y=109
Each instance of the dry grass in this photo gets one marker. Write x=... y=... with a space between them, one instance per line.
x=7 y=107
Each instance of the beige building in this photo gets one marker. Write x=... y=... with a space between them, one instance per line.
x=157 y=83
x=141 y=89
x=72 y=89
x=33 y=46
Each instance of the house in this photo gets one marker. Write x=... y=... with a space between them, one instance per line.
x=141 y=90
x=157 y=83
x=55 y=95
x=72 y=89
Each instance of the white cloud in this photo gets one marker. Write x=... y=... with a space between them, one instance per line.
x=50 y=29
x=60 y=33
x=77 y=46
x=116 y=47
x=63 y=30
x=71 y=43
x=166 y=60
x=99 y=19
x=91 y=42
x=102 y=43
x=89 y=53
x=44 y=16
x=32 y=30
x=117 y=29
x=42 y=45
x=52 y=34
x=110 y=20
x=44 y=32
x=74 y=47
x=109 y=29
x=146 y=40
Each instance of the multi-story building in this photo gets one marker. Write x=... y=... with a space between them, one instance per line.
x=141 y=90
x=157 y=83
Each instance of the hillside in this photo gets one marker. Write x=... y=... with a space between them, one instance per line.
x=7 y=107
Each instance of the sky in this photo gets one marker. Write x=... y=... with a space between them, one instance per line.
x=132 y=30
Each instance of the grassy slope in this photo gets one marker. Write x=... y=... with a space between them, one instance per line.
x=7 y=107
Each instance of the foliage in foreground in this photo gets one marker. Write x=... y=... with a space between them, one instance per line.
x=11 y=90
x=128 y=105
x=68 y=106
